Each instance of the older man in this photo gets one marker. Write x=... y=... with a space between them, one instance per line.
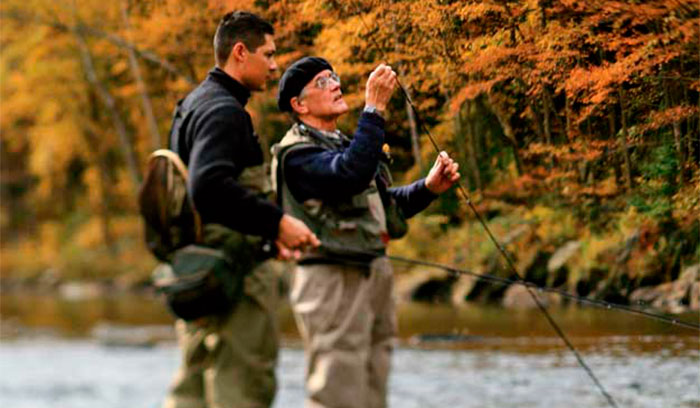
x=340 y=187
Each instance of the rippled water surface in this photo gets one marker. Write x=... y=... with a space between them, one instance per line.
x=447 y=357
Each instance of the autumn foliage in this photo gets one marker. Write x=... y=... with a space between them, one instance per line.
x=590 y=107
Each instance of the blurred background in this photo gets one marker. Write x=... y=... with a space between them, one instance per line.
x=576 y=126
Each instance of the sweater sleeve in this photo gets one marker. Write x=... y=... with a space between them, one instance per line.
x=412 y=198
x=324 y=174
x=216 y=160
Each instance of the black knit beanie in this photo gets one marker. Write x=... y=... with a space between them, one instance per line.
x=296 y=77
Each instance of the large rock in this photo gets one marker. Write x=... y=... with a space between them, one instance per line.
x=425 y=284
x=76 y=291
x=109 y=334
x=678 y=296
x=518 y=297
x=461 y=288
x=562 y=255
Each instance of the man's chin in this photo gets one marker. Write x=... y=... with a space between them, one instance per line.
x=342 y=108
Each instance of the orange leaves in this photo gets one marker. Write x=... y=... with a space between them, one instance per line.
x=490 y=59
x=570 y=152
x=473 y=90
x=669 y=116
x=483 y=10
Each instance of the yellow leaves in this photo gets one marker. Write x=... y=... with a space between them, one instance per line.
x=92 y=178
x=53 y=146
x=475 y=11
x=89 y=236
x=686 y=202
x=229 y=5
x=123 y=191
x=119 y=67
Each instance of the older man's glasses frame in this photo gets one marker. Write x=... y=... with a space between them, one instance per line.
x=325 y=81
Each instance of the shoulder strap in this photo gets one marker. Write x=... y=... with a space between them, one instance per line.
x=181 y=169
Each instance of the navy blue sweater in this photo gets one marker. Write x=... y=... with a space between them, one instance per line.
x=332 y=175
x=213 y=134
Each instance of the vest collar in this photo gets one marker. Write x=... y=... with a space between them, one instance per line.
x=334 y=137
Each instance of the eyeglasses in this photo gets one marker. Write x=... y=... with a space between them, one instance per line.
x=324 y=81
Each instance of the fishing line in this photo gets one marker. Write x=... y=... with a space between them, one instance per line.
x=500 y=248
x=506 y=281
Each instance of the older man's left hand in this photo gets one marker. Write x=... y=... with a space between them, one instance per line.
x=443 y=174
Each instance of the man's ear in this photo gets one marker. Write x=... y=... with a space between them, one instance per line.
x=298 y=106
x=239 y=52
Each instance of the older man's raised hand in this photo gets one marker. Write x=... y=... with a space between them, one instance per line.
x=380 y=87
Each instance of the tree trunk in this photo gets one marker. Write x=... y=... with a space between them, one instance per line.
x=141 y=85
x=96 y=160
x=415 y=140
x=676 y=130
x=86 y=30
x=460 y=145
x=679 y=149
x=507 y=131
x=543 y=14
x=568 y=117
x=471 y=149
x=615 y=160
x=110 y=104
x=413 y=126
x=623 y=141
x=547 y=111
x=537 y=119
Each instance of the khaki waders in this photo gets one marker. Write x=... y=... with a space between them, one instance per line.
x=347 y=321
x=229 y=361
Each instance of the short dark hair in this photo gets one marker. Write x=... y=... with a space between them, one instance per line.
x=239 y=26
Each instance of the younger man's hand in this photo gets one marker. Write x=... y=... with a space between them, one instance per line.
x=294 y=234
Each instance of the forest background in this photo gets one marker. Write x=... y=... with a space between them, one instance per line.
x=576 y=125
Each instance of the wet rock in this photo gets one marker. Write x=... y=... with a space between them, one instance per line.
x=694 y=301
x=131 y=336
x=588 y=284
x=518 y=297
x=678 y=296
x=50 y=278
x=537 y=271
x=425 y=285
x=434 y=291
x=644 y=296
x=562 y=255
x=10 y=328
x=80 y=290
x=516 y=233
x=488 y=291
x=630 y=243
x=442 y=339
x=461 y=288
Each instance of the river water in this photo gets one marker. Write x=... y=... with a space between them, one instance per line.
x=53 y=355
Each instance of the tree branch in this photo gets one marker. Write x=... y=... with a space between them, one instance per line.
x=86 y=30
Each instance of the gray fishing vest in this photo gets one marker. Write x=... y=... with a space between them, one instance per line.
x=346 y=226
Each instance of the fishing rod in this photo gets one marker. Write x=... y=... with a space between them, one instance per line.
x=509 y=261
x=506 y=281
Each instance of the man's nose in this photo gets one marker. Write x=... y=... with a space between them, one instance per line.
x=273 y=65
